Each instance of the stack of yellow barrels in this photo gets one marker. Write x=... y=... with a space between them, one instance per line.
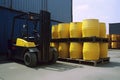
x=75 y=47
x=91 y=51
x=63 y=32
x=86 y=29
x=54 y=36
x=114 y=41
x=94 y=51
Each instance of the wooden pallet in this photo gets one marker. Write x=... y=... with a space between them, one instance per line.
x=86 y=62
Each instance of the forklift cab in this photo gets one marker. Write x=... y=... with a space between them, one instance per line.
x=33 y=46
x=34 y=36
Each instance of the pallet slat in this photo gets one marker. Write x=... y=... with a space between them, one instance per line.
x=89 y=62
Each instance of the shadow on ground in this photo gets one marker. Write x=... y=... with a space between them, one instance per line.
x=110 y=64
x=58 y=67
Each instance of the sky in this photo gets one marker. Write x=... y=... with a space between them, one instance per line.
x=107 y=11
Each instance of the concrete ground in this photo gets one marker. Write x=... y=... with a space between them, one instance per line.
x=63 y=70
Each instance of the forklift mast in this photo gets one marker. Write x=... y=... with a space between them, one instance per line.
x=45 y=34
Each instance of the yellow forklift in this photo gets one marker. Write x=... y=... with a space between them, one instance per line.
x=33 y=44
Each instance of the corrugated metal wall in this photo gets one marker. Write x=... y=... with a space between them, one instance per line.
x=6 y=17
x=60 y=9
x=5 y=3
x=2 y=30
x=27 y=5
x=114 y=28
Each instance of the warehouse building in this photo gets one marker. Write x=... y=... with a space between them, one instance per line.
x=79 y=52
x=114 y=28
x=10 y=8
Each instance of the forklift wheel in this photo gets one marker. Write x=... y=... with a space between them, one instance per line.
x=30 y=59
x=54 y=56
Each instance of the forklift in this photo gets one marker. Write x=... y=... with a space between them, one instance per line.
x=33 y=46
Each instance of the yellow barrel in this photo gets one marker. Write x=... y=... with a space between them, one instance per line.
x=109 y=39
x=118 y=44
x=63 y=30
x=103 y=50
x=63 y=50
x=102 y=30
x=54 y=31
x=118 y=41
x=75 y=29
x=56 y=45
x=118 y=38
x=114 y=37
x=114 y=45
x=90 y=27
x=91 y=51
x=75 y=50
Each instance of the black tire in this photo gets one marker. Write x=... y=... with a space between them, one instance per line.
x=54 y=56
x=30 y=59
